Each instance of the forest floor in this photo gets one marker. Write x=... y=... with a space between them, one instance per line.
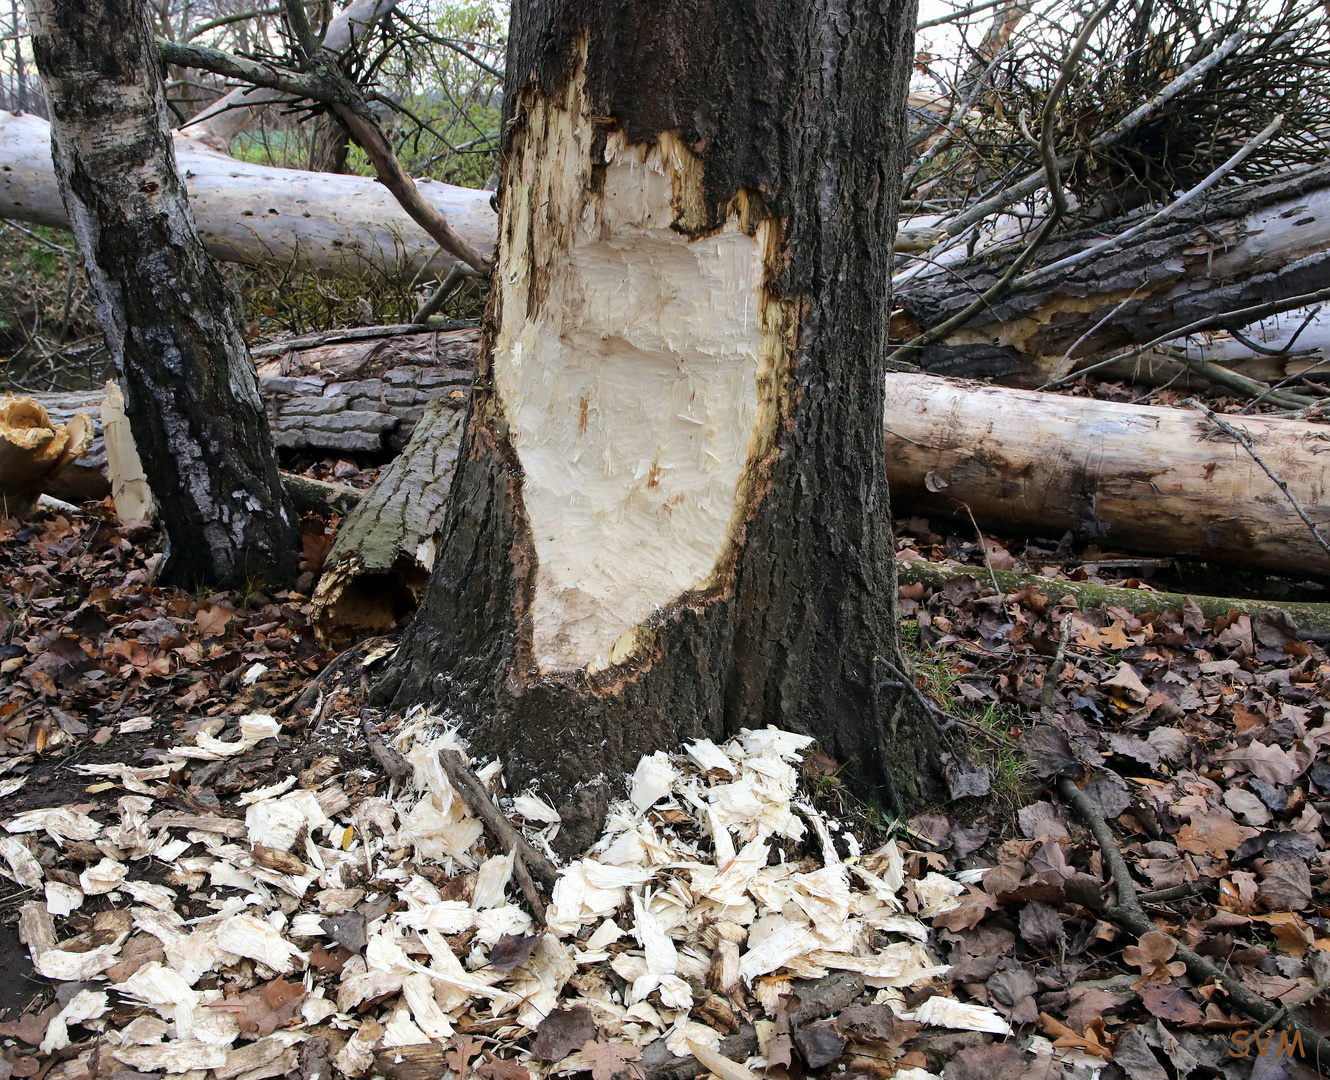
x=197 y=807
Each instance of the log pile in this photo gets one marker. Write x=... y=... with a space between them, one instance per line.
x=360 y=398
x=364 y=397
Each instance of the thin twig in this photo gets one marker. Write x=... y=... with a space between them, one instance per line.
x=474 y=794
x=1239 y=317
x=1054 y=672
x=1128 y=914
x=389 y=759
x=452 y=281
x=992 y=574
x=1244 y=439
x=1181 y=203
x=1103 y=141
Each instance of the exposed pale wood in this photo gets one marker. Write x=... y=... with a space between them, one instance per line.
x=34 y=450
x=129 y=485
x=258 y=216
x=1138 y=478
x=669 y=513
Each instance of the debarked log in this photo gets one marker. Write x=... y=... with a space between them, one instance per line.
x=1131 y=477
x=260 y=216
x=1138 y=478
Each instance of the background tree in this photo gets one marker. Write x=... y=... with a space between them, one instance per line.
x=670 y=516
x=173 y=329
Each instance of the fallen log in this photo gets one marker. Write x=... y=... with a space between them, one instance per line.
x=1136 y=477
x=358 y=398
x=1312 y=620
x=324 y=222
x=1140 y=478
x=1241 y=246
x=379 y=564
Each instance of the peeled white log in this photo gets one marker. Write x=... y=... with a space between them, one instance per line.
x=261 y=216
x=1133 y=477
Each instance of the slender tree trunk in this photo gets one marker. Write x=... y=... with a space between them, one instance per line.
x=175 y=333
x=670 y=515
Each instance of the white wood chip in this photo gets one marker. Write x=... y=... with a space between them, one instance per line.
x=652 y=780
x=785 y=944
x=183 y=1056
x=959 y=1015
x=23 y=866
x=245 y=935
x=104 y=877
x=59 y=822
x=61 y=899
x=534 y=808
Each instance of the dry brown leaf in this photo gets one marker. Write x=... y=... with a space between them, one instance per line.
x=1126 y=683
x=973 y=906
x=265 y=1008
x=212 y=619
x=1172 y=1003
x=611 y=1059
x=1213 y=833
x=1154 y=956
x=496 y=1068
x=562 y=1032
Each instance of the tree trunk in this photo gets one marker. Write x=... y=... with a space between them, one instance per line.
x=1242 y=246
x=330 y=143
x=1130 y=477
x=174 y=332
x=670 y=515
x=266 y=217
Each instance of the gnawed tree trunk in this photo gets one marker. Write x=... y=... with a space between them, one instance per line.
x=669 y=519
x=380 y=562
x=1241 y=247
x=1131 y=477
x=174 y=332
x=261 y=216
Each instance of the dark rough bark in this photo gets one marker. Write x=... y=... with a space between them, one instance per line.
x=1239 y=247
x=379 y=564
x=800 y=109
x=174 y=331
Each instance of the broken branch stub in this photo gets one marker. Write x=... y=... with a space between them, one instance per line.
x=34 y=451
